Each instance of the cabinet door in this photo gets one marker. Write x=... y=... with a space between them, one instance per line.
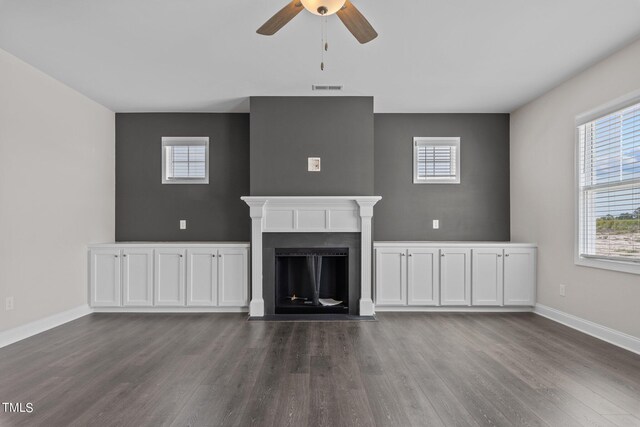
x=391 y=271
x=519 y=276
x=105 y=277
x=202 y=277
x=233 y=282
x=169 y=277
x=423 y=277
x=137 y=277
x=486 y=279
x=455 y=280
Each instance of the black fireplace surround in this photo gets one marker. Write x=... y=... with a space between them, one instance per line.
x=312 y=266
x=312 y=280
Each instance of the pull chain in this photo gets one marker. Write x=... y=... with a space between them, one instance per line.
x=324 y=44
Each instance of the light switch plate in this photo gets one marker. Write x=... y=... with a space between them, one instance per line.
x=436 y=224
x=183 y=224
x=8 y=304
x=313 y=164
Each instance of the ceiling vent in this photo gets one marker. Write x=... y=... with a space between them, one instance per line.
x=326 y=87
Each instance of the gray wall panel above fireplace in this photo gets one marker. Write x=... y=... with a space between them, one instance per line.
x=285 y=131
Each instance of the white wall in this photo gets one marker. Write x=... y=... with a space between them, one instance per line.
x=542 y=194
x=57 y=191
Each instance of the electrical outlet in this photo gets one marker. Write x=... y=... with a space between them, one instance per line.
x=183 y=224
x=436 y=224
x=8 y=304
x=563 y=290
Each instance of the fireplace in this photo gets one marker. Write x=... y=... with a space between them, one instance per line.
x=311 y=280
x=291 y=263
x=311 y=222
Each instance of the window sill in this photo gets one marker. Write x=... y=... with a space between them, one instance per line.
x=619 y=266
x=436 y=181
x=186 y=181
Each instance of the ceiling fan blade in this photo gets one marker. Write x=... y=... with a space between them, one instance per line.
x=281 y=18
x=356 y=23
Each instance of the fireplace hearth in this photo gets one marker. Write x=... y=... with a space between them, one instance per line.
x=311 y=280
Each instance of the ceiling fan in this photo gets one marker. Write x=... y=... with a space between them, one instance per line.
x=350 y=16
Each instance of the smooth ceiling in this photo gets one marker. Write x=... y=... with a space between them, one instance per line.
x=431 y=55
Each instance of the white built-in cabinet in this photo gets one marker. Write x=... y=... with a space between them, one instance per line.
x=520 y=276
x=213 y=276
x=232 y=269
x=202 y=277
x=391 y=269
x=456 y=275
x=105 y=277
x=410 y=276
x=487 y=276
x=169 y=275
x=137 y=277
x=423 y=276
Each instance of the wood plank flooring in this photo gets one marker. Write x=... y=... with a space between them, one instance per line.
x=431 y=369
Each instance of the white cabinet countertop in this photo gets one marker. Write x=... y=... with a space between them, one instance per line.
x=458 y=244
x=170 y=244
x=421 y=244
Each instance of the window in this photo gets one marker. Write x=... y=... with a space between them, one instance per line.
x=185 y=160
x=436 y=160
x=609 y=189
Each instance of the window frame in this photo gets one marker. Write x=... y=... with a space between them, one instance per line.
x=173 y=141
x=450 y=141
x=604 y=263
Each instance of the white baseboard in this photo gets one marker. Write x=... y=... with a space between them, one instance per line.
x=450 y=309
x=620 y=339
x=33 y=328
x=170 y=309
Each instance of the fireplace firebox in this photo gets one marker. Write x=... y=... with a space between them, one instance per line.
x=311 y=280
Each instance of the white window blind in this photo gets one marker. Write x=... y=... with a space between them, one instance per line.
x=436 y=160
x=609 y=186
x=185 y=160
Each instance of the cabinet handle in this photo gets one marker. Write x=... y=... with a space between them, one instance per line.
x=124 y=255
x=410 y=254
x=180 y=255
x=442 y=255
x=116 y=256
x=499 y=256
x=506 y=254
x=401 y=254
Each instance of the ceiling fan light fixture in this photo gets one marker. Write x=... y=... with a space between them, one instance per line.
x=323 y=7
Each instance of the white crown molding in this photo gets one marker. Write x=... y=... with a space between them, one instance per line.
x=19 y=333
x=617 y=338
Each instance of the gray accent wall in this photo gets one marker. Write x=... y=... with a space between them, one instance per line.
x=476 y=209
x=362 y=154
x=148 y=210
x=285 y=131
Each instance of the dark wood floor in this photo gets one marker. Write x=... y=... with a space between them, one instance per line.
x=405 y=369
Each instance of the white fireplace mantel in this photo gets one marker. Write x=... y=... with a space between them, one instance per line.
x=309 y=214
